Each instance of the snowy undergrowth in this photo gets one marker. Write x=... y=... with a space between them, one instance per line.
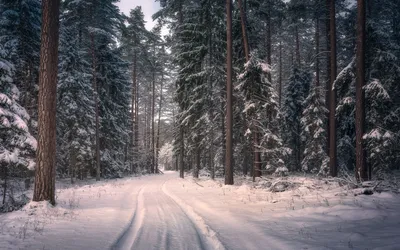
x=311 y=213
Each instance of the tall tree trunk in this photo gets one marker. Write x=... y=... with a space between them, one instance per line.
x=361 y=166
x=197 y=161
x=136 y=148
x=328 y=67
x=153 y=112
x=181 y=152
x=332 y=92
x=211 y=106
x=72 y=163
x=146 y=122
x=244 y=30
x=134 y=112
x=96 y=106
x=159 y=119
x=269 y=42
x=296 y=31
x=5 y=176
x=229 y=115
x=280 y=74
x=317 y=78
x=223 y=129
x=45 y=173
x=257 y=156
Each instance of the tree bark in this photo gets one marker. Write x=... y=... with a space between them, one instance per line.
x=332 y=92
x=5 y=175
x=181 y=153
x=361 y=168
x=211 y=106
x=317 y=78
x=96 y=106
x=72 y=163
x=197 y=162
x=134 y=112
x=159 y=119
x=257 y=156
x=280 y=74
x=269 y=42
x=328 y=68
x=46 y=152
x=244 y=30
x=296 y=31
x=229 y=147
x=153 y=112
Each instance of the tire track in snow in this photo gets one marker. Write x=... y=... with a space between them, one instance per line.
x=128 y=237
x=210 y=235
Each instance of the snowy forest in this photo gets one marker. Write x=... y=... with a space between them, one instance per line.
x=246 y=95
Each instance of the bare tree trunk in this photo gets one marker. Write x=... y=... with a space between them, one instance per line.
x=72 y=163
x=229 y=115
x=96 y=102
x=280 y=74
x=361 y=166
x=181 y=131
x=197 y=162
x=244 y=30
x=153 y=112
x=269 y=43
x=297 y=44
x=146 y=124
x=45 y=173
x=257 y=155
x=134 y=112
x=159 y=119
x=136 y=129
x=328 y=68
x=5 y=176
x=332 y=91
x=181 y=153
x=223 y=130
x=211 y=106
x=317 y=83
x=246 y=159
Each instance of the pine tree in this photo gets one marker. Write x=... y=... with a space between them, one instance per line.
x=75 y=109
x=20 y=36
x=112 y=86
x=297 y=90
x=17 y=145
x=262 y=112
x=379 y=141
x=314 y=134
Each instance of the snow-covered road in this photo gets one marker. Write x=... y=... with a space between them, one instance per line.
x=165 y=212
x=158 y=222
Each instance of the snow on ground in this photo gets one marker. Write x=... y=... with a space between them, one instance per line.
x=165 y=212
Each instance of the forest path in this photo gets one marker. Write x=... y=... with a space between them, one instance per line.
x=159 y=222
x=166 y=212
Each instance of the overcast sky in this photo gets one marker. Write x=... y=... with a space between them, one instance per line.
x=149 y=7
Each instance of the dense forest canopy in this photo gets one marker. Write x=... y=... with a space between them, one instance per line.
x=310 y=86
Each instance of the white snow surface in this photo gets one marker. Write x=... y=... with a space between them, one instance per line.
x=165 y=212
